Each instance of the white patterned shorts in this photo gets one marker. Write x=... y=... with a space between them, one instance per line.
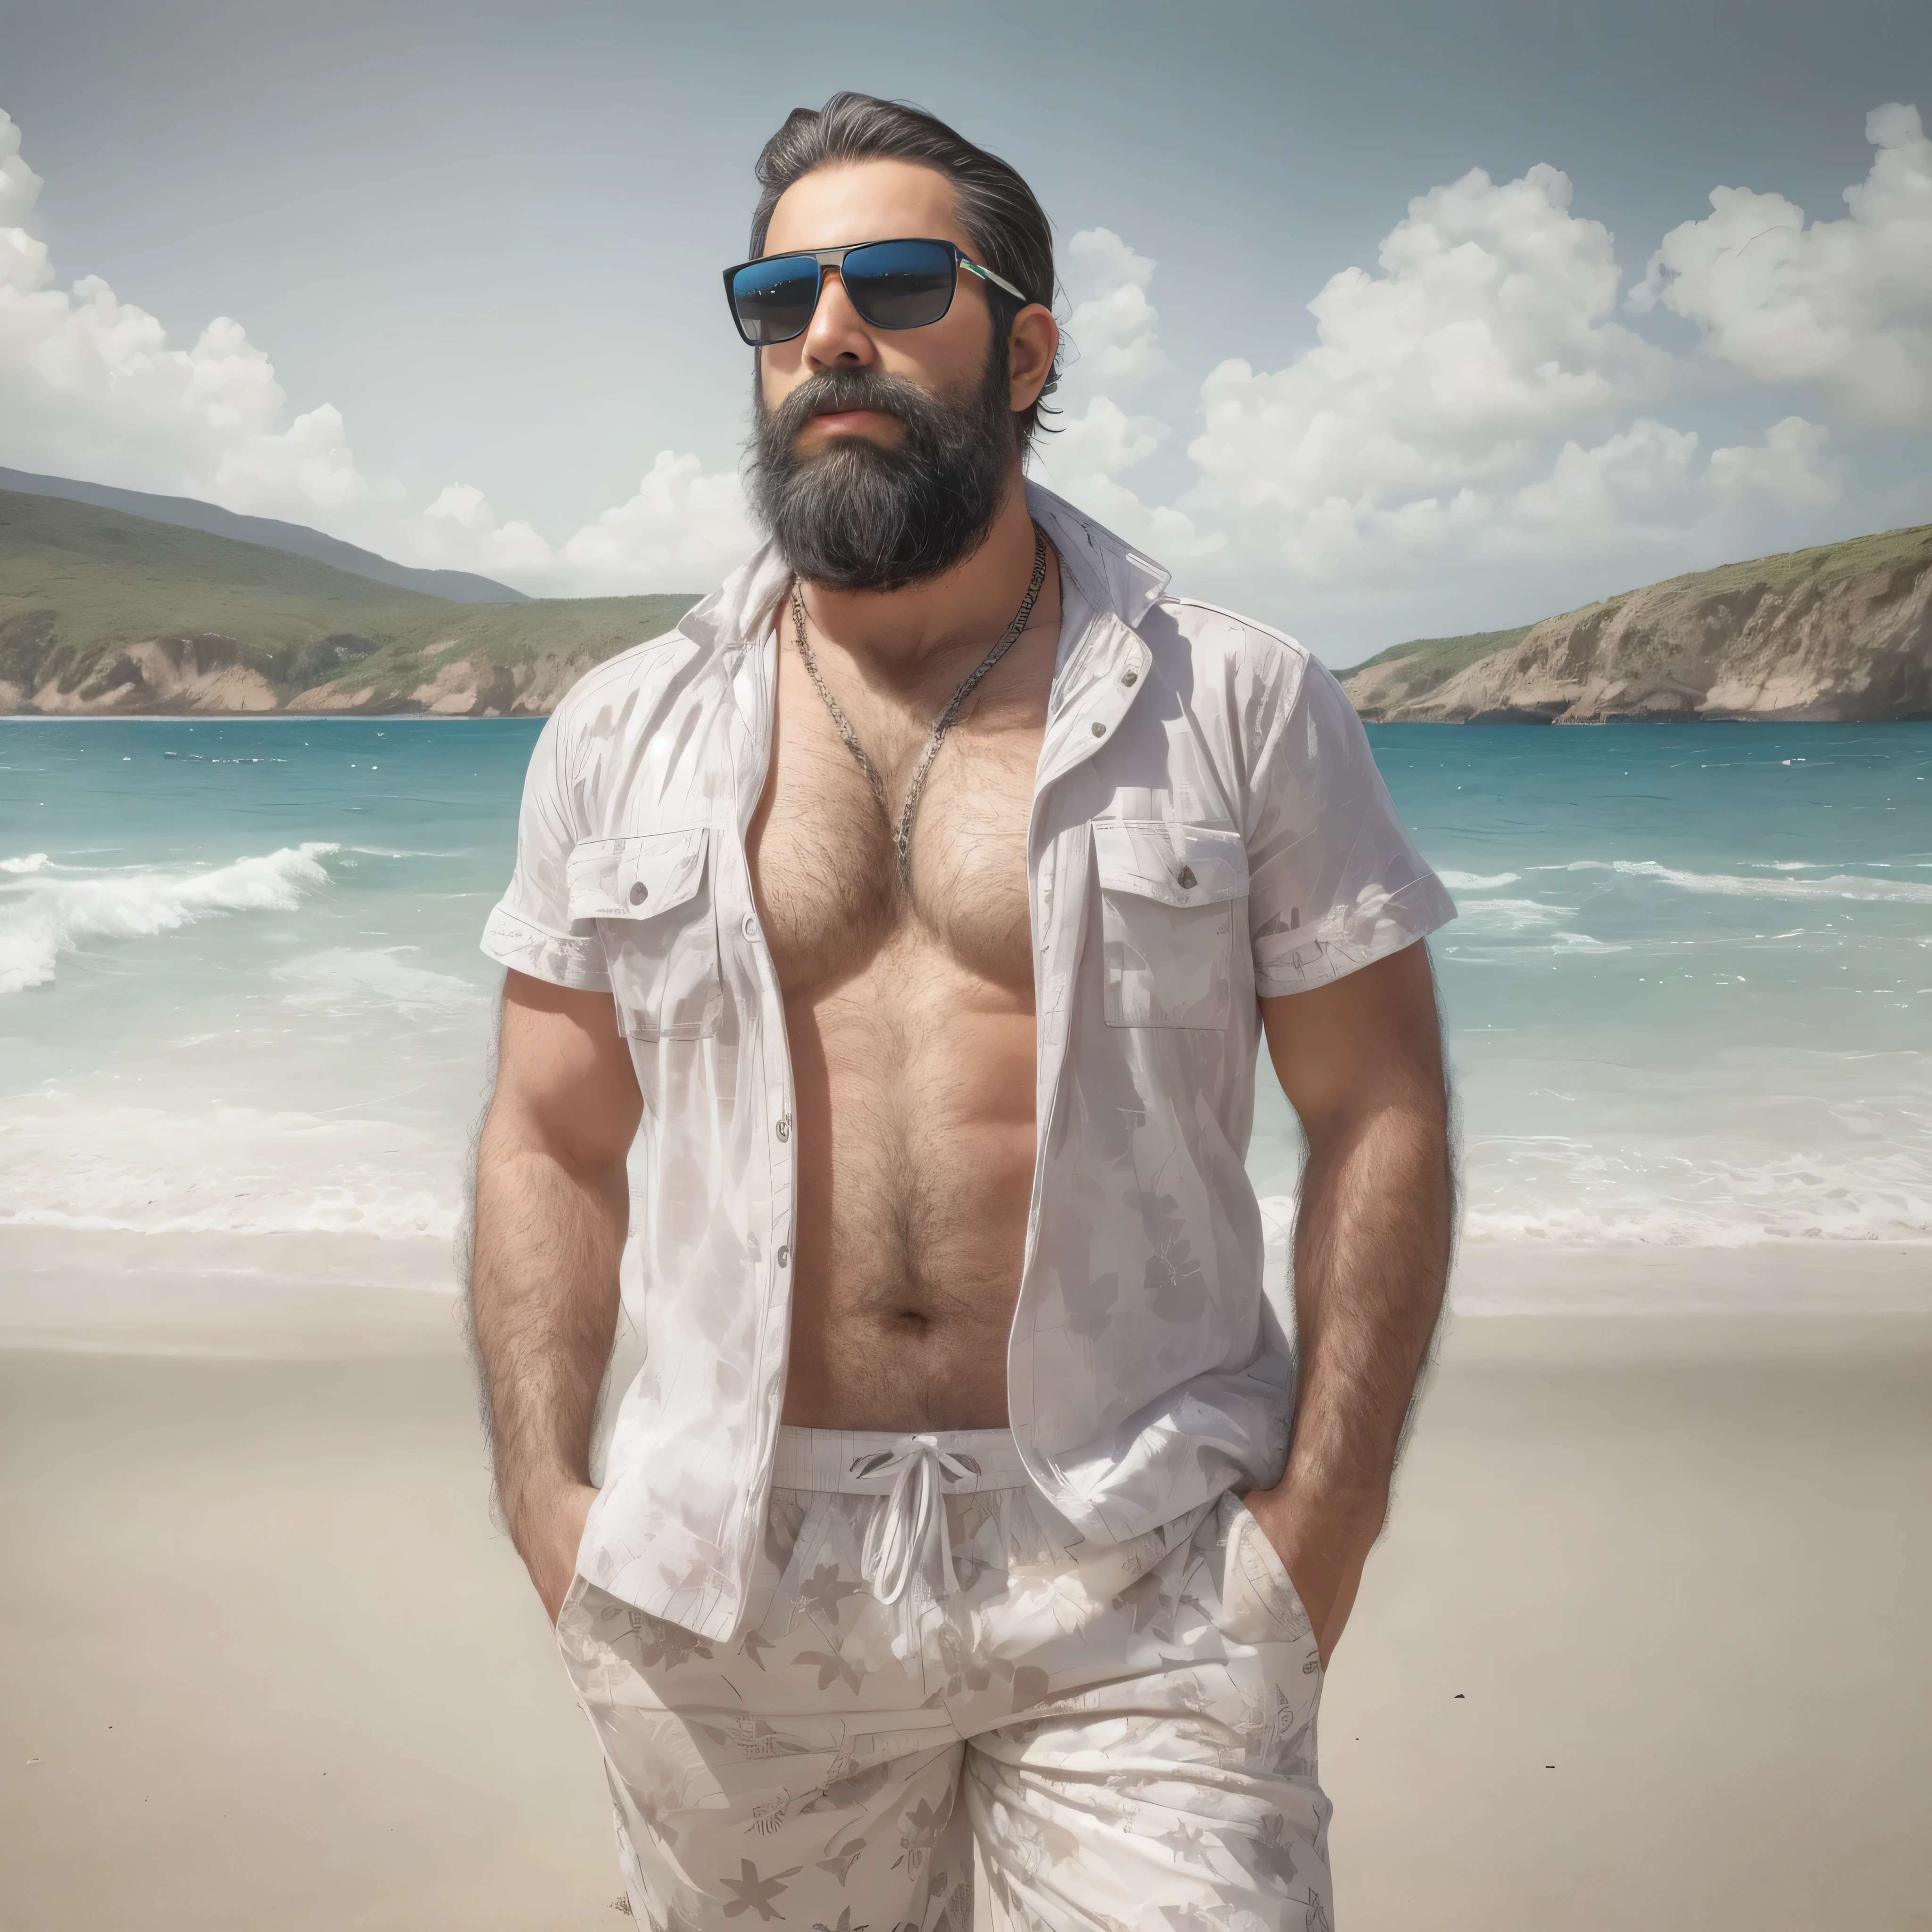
x=935 y=1658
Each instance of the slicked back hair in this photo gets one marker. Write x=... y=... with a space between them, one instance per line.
x=1009 y=230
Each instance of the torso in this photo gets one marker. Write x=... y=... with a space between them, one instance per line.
x=911 y=1024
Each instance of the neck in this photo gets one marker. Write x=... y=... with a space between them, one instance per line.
x=897 y=635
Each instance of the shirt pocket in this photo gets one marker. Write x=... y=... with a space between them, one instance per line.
x=651 y=898
x=1168 y=894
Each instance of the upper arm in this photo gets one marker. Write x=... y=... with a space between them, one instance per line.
x=564 y=1077
x=1360 y=1045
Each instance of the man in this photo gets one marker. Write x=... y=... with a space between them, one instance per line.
x=907 y=921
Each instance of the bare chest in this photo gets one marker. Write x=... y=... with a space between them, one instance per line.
x=824 y=866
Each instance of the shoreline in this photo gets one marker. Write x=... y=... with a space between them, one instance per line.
x=309 y=1296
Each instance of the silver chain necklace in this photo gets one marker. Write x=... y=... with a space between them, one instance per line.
x=902 y=836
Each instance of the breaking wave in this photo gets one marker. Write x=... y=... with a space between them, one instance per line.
x=55 y=908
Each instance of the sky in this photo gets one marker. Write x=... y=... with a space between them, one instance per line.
x=1389 y=320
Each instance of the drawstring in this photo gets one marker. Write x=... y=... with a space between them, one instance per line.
x=896 y=1538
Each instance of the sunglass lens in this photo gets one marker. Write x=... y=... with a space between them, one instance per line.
x=773 y=300
x=900 y=284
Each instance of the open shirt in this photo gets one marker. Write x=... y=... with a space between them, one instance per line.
x=1207 y=828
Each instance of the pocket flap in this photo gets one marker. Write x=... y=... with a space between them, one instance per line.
x=636 y=878
x=1178 y=864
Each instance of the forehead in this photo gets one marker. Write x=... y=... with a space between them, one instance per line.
x=864 y=201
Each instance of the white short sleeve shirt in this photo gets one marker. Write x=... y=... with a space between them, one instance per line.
x=1208 y=829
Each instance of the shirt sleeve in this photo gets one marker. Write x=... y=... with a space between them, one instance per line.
x=531 y=929
x=1334 y=883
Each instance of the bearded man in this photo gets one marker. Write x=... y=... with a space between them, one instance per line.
x=889 y=949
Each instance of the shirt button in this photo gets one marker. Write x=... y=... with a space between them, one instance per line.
x=1100 y=731
x=784 y=1258
x=751 y=925
x=785 y=1127
x=1131 y=677
x=640 y=892
x=1185 y=879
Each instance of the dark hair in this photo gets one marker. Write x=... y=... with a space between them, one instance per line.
x=1011 y=234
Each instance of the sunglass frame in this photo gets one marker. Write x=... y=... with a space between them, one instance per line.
x=835 y=258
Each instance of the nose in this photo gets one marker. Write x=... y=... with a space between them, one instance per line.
x=838 y=337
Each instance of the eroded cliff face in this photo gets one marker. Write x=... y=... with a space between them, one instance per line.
x=207 y=673
x=465 y=687
x=1842 y=633
x=211 y=675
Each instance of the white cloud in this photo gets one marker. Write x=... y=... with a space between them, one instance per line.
x=684 y=529
x=461 y=531
x=683 y=526
x=1789 y=470
x=20 y=186
x=1846 y=304
x=1474 y=411
x=1113 y=327
x=1475 y=404
x=90 y=387
x=1488 y=328
x=1646 y=482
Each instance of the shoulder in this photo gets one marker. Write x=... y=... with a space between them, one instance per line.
x=636 y=688
x=1218 y=647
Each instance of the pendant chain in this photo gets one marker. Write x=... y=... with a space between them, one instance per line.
x=902 y=834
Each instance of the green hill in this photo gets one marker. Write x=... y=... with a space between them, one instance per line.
x=101 y=611
x=190 y=513
x=1429 y=662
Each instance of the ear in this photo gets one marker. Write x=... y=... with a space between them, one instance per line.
x=1034 y=342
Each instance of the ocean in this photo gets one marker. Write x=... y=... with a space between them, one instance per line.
x=1689 y=995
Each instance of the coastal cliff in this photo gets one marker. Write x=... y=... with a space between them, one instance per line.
x=1839 y=634
x=104 y=614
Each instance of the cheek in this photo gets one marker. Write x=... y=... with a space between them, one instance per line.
x=781 y=370
x=948 y=356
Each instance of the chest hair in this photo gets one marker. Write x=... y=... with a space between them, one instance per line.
x=823 y=862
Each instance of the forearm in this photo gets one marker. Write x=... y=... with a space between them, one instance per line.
x=1371 y=1257
x=543 y=1310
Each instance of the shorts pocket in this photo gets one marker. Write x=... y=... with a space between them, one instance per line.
x=652 y=897
x=1259 y=1603
x=1168 y=898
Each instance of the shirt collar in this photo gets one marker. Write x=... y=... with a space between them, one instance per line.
x=1114 y=578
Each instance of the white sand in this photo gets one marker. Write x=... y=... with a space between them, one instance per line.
x=277 y=1673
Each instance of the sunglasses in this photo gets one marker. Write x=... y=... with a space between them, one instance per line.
x=892 y=284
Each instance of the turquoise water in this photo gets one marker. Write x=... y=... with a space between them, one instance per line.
x=1689 y=994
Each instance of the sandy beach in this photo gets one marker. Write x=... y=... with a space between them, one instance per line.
x=1644 y=1642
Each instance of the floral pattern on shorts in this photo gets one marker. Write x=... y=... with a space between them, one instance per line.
x=1126 y=1732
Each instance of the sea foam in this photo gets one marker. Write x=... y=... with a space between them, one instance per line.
x=1840 y=886
x=346 y=980
x=55 y=907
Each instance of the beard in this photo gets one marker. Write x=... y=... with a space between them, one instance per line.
x=859 y=517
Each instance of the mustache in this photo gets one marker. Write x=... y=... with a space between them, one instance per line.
x=834 y=389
